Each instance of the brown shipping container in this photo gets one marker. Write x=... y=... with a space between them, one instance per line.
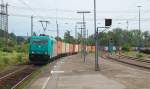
x=59 y=47
x=70 y=48
x=74 y=46
x=89 y=48
x=93 y=48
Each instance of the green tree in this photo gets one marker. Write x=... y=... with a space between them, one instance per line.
x=68 y=38
x=121 y=37
x=58 y=38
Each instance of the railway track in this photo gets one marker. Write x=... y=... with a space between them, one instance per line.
x=134 y=58
x=12 y=79
x=143 y=63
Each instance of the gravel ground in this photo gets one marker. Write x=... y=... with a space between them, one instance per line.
x=117 y=74
x=131 y=77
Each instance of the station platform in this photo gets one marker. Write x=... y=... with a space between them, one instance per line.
x=72 y=73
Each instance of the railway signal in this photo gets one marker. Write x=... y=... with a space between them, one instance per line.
x=108 y=22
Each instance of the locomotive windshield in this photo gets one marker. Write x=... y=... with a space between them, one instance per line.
x=40 y=41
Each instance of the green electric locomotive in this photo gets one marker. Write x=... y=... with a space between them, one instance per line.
x=41 y=48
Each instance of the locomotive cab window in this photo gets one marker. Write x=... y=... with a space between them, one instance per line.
x=40 y=41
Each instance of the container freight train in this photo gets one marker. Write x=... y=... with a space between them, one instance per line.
x=43 y=49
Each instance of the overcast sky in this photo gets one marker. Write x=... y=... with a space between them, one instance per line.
x=119 y=10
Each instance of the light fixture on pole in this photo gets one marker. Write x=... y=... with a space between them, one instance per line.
x=84 y=32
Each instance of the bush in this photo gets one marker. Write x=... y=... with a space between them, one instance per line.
x=6 y=60
x=19 y=49
x=19 y=58
x=139 y=55
x=10 y=50
x=126 y=47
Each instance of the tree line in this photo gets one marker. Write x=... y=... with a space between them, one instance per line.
x=14 y=42
x=118 y=36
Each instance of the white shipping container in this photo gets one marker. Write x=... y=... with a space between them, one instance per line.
x=63 y=47
x=67 y=48
x=76 y=48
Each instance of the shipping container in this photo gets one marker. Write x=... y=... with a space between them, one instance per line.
x=63 y=47
x=89 y=48
x=58 y=47
x=67 y=48
x=76 y=48
x=93 y=48
x=71 y=48
x=54 y=48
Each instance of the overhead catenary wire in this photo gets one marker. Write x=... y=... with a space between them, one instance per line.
x=30 y=8
x=73 y=11
x=33 y=9
x=23 y=2
x=41 y=9
x=73 y=18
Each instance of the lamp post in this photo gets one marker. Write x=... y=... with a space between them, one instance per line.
x=139 y=17
x=84 y=32
x=139 y=7
x=96 y=42
x=81 y=36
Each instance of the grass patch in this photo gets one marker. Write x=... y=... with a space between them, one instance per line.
x=6 y=60
x=140 y=55
x=131 y=53
x=19 y=58
x=136 y=54
x=9 y=59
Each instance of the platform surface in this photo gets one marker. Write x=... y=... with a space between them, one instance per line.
x=72 y=73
